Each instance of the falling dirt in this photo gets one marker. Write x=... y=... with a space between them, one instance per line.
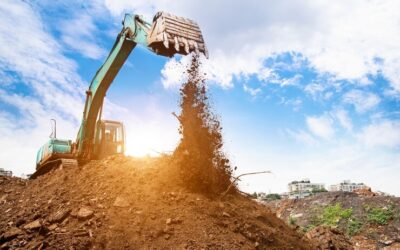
x=123 y=202
x=199 y=155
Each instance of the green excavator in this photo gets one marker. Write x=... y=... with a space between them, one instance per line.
x=167 y=35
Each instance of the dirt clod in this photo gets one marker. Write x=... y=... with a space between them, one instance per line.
x=120 y=202
x=84 y=213
x=33 y=225
x=12 y=233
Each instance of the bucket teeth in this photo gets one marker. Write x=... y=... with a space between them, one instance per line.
x=196 y=48
x=170 y=34
x=166 y=41
x=176 y=43
x=185 y=42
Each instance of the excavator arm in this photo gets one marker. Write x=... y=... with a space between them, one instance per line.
x=167 y=35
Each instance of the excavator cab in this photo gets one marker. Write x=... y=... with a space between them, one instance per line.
x=110 y=139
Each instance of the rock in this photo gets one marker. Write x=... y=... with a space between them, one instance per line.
x=121 y=202
x=12 y=233
x=33 y=225
x=84 y=213
x=80 y=233
x=324 y=237
x=387 y=242
x=60 y=215
x=3 y=199
x=225 y=214
x=20 y=221
x=4 y=246
x=52 y=227
x=168 y=221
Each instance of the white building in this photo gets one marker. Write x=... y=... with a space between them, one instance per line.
x=347 y=186
x=303 y=188
x=5 y=172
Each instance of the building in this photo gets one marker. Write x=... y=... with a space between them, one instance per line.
x=347 y=186
x=5 y=172
x=304 y=188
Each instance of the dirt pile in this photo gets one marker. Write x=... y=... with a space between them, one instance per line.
x=124 y=202
x=325 y=237
x=369 y=220
x=365 y=192
x=199 y=155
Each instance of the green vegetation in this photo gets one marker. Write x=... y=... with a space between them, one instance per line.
x=335 y=213
x=318 y=190
x=292 y=220
x=351 y=221
x=272 y=197
x=354 y=226
x=378 y=215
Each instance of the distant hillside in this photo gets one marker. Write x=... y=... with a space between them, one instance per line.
x=368 y=220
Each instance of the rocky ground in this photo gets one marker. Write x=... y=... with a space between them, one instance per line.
x=128 y=203
x=361 y=220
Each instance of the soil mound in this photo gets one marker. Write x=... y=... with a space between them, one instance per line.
x=123 y=202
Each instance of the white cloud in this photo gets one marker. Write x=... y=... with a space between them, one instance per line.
x=344 y=119
x=383 y=133
x=296 y=103
x=303 y=137
x=362 y=101
x=48 y=87
x=341 y=38
x=252 y=91
x=80 y=34
x=172 y=72
x=314 y=89
x=321 y=126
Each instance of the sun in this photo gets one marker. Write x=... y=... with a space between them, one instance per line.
x=149 y=140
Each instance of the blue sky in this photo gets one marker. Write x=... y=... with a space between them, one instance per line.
x=305 y=94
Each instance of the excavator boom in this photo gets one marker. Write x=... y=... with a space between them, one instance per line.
x=167 y=35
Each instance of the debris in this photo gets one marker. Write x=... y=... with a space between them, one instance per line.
x=12 y=233
x=52 y=227
x=60 y=215
x=327 y=238
x=225 y=214
x=121 y=202
x=33 y=225
x=202 y=164
x=84 y=213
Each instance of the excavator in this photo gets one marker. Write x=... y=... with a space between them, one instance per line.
x=167 y=35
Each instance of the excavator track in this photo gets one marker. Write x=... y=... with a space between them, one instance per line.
x=54 y=164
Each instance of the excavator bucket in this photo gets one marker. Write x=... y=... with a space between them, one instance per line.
x=170 y=34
